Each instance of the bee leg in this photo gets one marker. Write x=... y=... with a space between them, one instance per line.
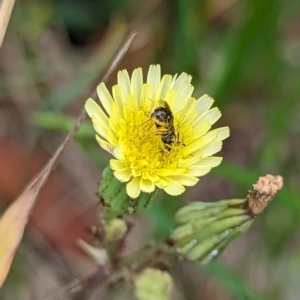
x=167 y=148
x=145 y=122
x=178 y=141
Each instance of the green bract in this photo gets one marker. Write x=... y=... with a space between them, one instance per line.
x=203 y=230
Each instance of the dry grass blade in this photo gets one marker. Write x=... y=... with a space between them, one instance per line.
x=12 y=225
x=5 y=12
x=14 y=220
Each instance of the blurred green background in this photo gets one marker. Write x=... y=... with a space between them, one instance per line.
x=244 y=53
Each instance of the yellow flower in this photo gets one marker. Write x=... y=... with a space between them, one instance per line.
x=143 y=158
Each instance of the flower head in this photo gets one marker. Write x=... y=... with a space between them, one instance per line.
x=263 y=191
x=153 y=284
x=158 y=133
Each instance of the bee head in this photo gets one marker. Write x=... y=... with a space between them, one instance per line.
x=162 y=116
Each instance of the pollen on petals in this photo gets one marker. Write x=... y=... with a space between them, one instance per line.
x=144 y=156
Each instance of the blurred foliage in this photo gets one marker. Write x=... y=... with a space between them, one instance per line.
x=230 y=281
x=244 y=53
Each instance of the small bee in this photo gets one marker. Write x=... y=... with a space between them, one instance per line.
x=163 y=119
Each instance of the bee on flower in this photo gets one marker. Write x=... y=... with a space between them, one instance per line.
x=177 y=145
x=163 y=119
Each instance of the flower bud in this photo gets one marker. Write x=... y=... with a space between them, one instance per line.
x=114 y=195
x=203 y=230
x=153 y=284
x=115 y=229
x=263 y=192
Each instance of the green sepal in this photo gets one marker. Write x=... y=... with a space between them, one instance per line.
x=115 y=198
x=204 y=230
x=213 y=228
x=220 y=247
x=196 y=210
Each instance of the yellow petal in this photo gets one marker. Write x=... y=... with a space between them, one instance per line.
x=173 y=188
x=170 y=96
x=118 y=152
x=133 y=188
x=136 y=84
x=105 y=145
x=222 y=132
x=146 y=95
x=105 y=97
x=210 y=149
x=194 y=147
x=184 y=92
x=212 y=116
x=94 y=110
x=124 y=82
x=211 y=161
x=188 y=161
x=178 y=81
x=160 y=182
x=187 y=112
x=119 y=98
x=199 y=170
x=153 y=78
x=203 y=104
x=132 y=102
x=187 y=180
x=163 y=87
x=123 y=174
x=202 y=128
x=147 y=185
x=210 y=136
x=116 y=164
x=99 y=127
